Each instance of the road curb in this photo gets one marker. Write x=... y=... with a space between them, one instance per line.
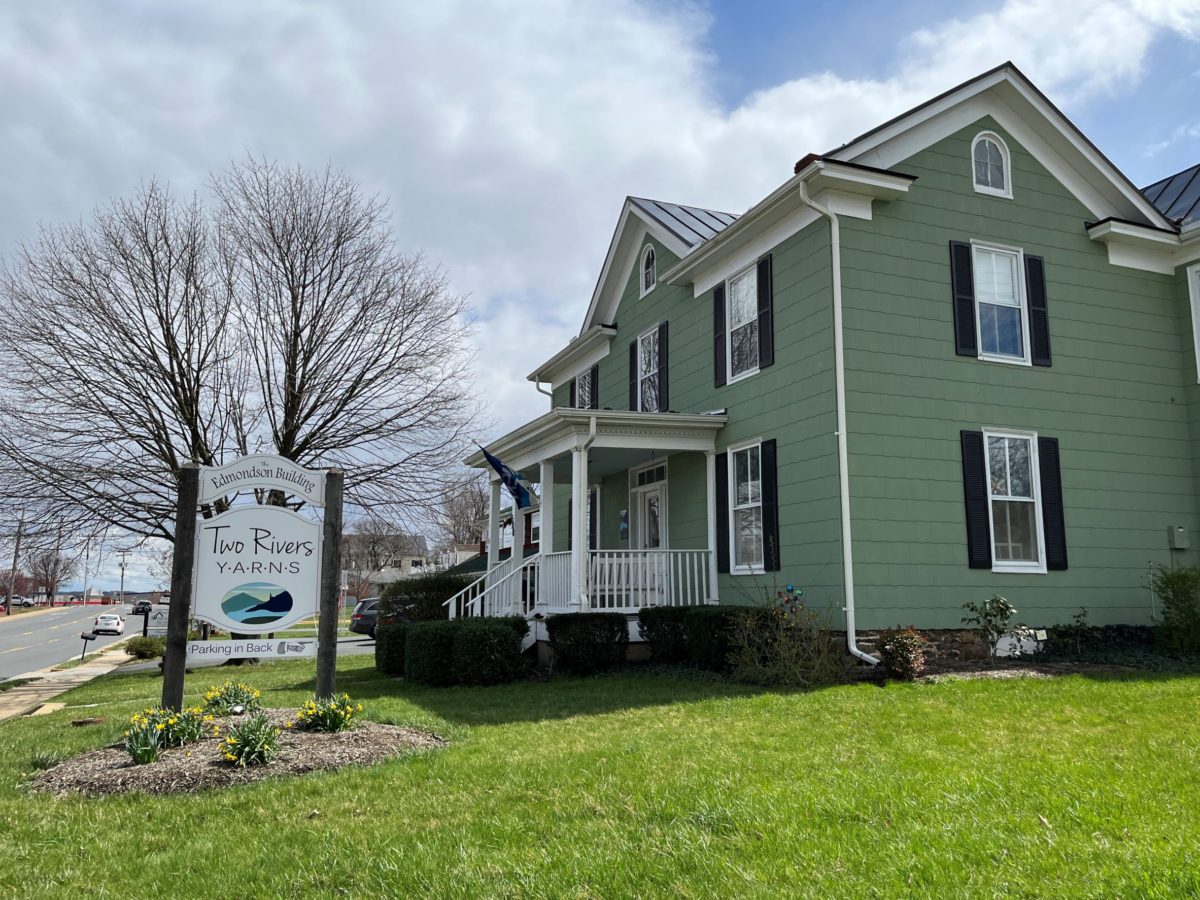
x=47 y=684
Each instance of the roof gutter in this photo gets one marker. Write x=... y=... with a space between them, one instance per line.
x=839 y=375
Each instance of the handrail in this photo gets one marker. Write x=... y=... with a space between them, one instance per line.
x=500 y=569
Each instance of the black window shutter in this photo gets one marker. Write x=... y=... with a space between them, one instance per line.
x=572 y=400
x=962 y=282
x=722 y=548
x=1054 y=522
x=975 y=496
x=770 y=506
x=664 y=394
x=592 y=530
x=766 y=313
x=633 y=376
x=719 y=335
x=1039 y=319
x=594 y=400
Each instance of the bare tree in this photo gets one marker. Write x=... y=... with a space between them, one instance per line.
x=50 y=567
x=372 y=545
x=283 y=320
x=463 y=510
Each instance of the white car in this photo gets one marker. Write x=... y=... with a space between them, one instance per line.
x=109 y=624
x=22 y=601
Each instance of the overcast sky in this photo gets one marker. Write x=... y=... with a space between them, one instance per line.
x=506 y=135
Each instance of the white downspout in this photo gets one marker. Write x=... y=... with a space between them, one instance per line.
x=839 y=375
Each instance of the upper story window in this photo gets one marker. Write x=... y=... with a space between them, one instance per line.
x=1000 y=304
x=993 y=174
x=647 y=371
x=585 y=393
x=743 y=324
x=649 y=272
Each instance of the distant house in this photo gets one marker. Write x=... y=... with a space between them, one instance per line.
x=371 y=560
x=953 y=357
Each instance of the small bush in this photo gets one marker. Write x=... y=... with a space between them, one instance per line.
x=519 y=624
x=707 y=631
x=420 y=599
x=428 y=652
x=389 y=648
x=328 y=714
x=990 y=619
x=662 y=628
x=251 y=742
x=585 y=643
x=222 y=698
x=784 y=644
x=486 y=651
x=902 y=652
x=1178 y=591
x=146 y=647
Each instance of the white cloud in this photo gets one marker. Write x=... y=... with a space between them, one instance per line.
x=504 y=134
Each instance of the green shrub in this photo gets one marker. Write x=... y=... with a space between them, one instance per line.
x=990 y=619
x=251 y=742
x=222 y=698
x=785 y=644
x=389 y=648
x=585 y=643
x=146 y=647
x=486 y=651
x=662 y=628
x=519 y=624
x=420 y=599
x=706 y=634
x=428 y=652
x=1178 y=593
x=902 y=652
x=328 y=714
x=155 y=728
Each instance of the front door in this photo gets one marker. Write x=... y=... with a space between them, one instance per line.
x=651 y=518
x=650 y=570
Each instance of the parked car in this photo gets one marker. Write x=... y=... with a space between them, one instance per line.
x=141 y=608
x=109 y=623
x=22 y=601
x=365 y=616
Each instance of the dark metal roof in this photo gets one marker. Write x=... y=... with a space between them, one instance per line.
x=690 y=224
x=1178 y=197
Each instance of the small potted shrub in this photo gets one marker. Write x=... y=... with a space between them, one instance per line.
x=902 y=652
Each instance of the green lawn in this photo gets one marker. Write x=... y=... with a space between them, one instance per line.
x=645 y=785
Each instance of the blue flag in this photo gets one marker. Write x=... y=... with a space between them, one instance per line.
x=511 y=479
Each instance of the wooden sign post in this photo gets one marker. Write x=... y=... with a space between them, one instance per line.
x=255 y=568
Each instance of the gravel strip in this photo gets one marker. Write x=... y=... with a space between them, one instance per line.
x=201 y=766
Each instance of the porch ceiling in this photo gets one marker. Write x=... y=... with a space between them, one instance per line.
x=626 y=438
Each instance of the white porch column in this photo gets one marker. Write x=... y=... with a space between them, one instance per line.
x=579 y=528
x=710 y=458
x=546 y=540
x=518 y=548
x=493 y=540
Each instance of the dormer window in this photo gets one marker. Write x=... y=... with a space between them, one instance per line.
x=649 y=274
x=993 y=174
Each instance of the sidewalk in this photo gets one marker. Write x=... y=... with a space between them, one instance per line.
x=25 y=698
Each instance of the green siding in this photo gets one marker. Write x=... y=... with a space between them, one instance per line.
x=1115 y=398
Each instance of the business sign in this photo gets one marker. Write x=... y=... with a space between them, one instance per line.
x=156 y=621
x=263 y=470
x=272 y=648
x=257 y=569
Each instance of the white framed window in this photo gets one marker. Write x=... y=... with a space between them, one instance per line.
x=647 y=371
x=1193 y=277
x=990 y=165
x=741 y=331
x=745 y=509
x=583 y=389
x=1014 y=501
x=1001 y=307
x=649 y=271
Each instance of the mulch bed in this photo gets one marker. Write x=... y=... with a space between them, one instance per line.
x=201 y=766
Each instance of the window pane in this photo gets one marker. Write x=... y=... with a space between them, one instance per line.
x=650 y=393
x=741 y=475
x=744 y=348
x=1000 y=330
x=648 y=271
x=998 y=466
x=1014 y=530
x=996 y=176
x=996 y=277
x=583 y=390
x=1019 y=471
x=747 y=543
x=981 y=170
x=648 y=353
x=743 y=299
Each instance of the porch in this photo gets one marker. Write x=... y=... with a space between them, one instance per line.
x=603 y=474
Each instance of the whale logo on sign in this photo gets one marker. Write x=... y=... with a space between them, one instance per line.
x=257 y=603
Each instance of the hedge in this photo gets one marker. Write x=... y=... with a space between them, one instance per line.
x=585 y=643
x=662 y=628
x=706 y=632
x=420 y=599
x=428 y=649
x=146 y=647
x=389 y=648
x=485 y=651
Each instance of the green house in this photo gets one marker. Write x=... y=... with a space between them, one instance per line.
x=951 y=358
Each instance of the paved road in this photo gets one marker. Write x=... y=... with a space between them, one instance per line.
x=34 y=640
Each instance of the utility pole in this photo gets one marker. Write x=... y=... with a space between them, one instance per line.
x=12 y=574
x=122 y=554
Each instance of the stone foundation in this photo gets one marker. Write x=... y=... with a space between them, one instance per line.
x=944 y=643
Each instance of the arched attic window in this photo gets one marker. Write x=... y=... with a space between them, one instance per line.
x=993 y=173
x=649 y=273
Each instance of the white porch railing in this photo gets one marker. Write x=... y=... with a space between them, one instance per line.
x=627 y=580
x=618 y=581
